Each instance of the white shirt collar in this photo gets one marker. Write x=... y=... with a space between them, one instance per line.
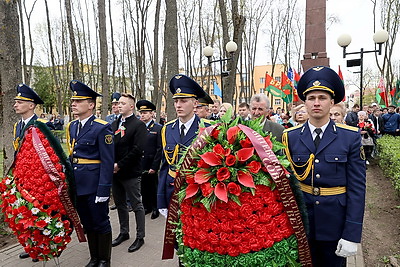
x=312 y=129
x=148 y=123
x=188 y=124
x=28 y=119
x=85 y=120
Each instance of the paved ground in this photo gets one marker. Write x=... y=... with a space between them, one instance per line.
x=149 y=255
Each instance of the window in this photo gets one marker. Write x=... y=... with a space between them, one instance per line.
x=262 y=90
x=262 y=80
x=277 y=101
x=278 y=78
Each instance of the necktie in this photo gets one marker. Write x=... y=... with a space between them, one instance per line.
x=79 y=128
x=22 y=125
x=182 y=131
x=317 y=139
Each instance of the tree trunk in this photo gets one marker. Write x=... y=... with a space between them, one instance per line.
x=171 y=50
x=75 y=63
x=10 y=75
x=157 y=92
x=103 y=57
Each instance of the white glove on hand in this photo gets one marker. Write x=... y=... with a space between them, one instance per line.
x=100 y=199
x=163 y=212
x=346 y=248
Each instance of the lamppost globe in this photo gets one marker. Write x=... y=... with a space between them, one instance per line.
x=344 y=40
x=381 y=36
x=151 y=88
x=208 y=51
x=231 y=47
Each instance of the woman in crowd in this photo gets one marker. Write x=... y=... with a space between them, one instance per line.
x=367 y=132
x=337 y=113
x=299 y=114
x=224 y=107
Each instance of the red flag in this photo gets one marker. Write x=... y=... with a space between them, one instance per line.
x=296 y=79
x=287 y=88
x=272 y=86
x=341 y=77
x=382 y=91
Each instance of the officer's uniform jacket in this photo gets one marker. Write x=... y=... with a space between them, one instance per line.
x=332 y=179
x=92 y=156
x=172 y=148
x=153 y=148
x=112 y=117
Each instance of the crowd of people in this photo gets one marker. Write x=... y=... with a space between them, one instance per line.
x=135 y=157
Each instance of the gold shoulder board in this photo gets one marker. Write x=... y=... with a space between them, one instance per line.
x=293 y=128
x=101 y=121
x=348 y=127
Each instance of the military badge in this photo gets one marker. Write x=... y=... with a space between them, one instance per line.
x=318 y=68
x=316 y=83
x=108 y=139
x=178 y=90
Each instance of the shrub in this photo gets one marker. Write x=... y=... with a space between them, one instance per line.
x=389 y=152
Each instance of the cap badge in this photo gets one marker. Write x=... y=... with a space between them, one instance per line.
x=318 y=68
x=21 y=84
x=114 y=100
x=75 y=93
x=178 y=77
x=74 y=82
x=178 y=90
x=19 y=94
x=316 y=83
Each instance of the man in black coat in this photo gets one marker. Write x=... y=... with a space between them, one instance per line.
x=129 y=136
x=151 y=158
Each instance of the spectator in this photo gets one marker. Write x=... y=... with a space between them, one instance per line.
x=215 y=110
x=337 y=113
x=224 y=108
x=379 y=123
x=285 y=121
x=299 y=114
x=59 y=123
x=244 y=111
x=367 y=133
x=259 y=107
x=392 y=121
x=352 y=117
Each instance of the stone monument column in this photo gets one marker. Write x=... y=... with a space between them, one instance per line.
x=315 y=40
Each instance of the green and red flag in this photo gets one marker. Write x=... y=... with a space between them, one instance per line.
x=396 y=95
x=380 y=95
x=272 y=86
x=296 y=79
x=287 y=89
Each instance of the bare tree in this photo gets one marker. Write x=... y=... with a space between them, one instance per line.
x=75 y=63
x=10 y=75
x=103 y=57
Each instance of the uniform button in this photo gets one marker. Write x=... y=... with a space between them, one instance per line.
x=74 y=152
x=336 y=158
x=75 y=168
x=317 y=176
x=317 y=161
x=317 y=202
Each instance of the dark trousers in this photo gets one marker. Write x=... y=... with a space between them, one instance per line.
x=94 y=216
x=121 y=188
x=323 y=254
x=149 y=190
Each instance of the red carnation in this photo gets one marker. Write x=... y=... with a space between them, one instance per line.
x=223 y=174
x=230 y=160
x=219 y=150
x=232 y=133
x=254 y=166
x=234 y=189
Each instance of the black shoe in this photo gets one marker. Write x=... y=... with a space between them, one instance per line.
x=113 y=207
x=155 y=214
x=93 y=263
x=121 y=238
x=35 y=260
x=136 y=245
x=23 y=255
x=103 y=264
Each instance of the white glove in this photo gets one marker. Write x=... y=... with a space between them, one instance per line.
x=163 y=212
x=346 y=248
x=101 y=199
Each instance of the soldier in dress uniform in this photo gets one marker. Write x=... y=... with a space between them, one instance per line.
x=202 y=108
x=328 y=160
x=24 y=105
x=177 y=134
x=91 y=148
x=151 y=157
x=114 y=108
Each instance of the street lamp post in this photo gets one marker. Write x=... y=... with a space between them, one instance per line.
x=208 y=51
x=380 y=37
